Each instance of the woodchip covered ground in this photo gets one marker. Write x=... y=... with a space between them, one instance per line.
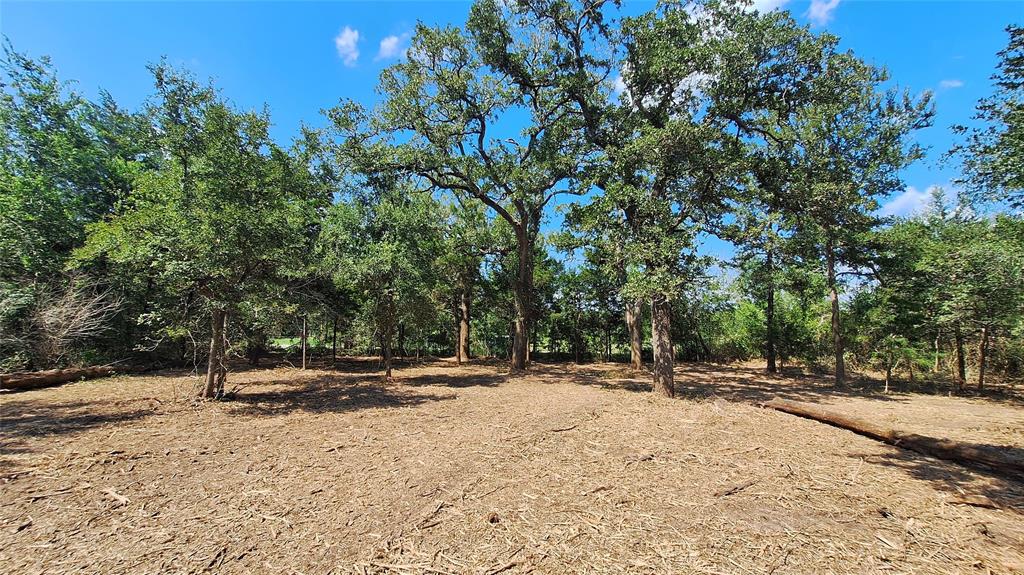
x=465 y=470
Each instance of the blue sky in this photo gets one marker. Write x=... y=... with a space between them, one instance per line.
x=301 y=57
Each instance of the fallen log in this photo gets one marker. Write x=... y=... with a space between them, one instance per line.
x=947 y=449
x=36 y=379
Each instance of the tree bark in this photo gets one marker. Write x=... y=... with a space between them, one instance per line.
x=661 y=340
x=401 y=340
x=521 y=294
x=634 y=311
x=37 y=379
x=769 y=315
x=216 y=371
x=935 y=368
x=387 y=333
x=982 y=357
x=961 y=362
x=303 y=339
x=837 y=336
x=888 y=371
x=462 y=346
x=385 y=351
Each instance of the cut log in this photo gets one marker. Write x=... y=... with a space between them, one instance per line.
x=949 y=450
x=36 y=379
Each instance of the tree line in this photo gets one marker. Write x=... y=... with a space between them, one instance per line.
x=182 y=232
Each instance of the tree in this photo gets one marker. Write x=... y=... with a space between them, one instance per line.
x=449 y=103
x=992 y=154
x=225 y=213
x=467 y=240
x=381 y=245
x=979 y=271
x=847 y=148
x=702 y=81
x=762 y=247
x=62 y=164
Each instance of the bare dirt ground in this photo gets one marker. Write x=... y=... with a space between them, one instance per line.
x=466 y=470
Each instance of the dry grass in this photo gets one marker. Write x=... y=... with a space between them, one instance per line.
x=463 y=470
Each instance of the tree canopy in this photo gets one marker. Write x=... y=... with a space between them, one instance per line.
x=428 y=224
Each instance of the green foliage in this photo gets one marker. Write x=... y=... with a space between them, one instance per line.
x=224 y=216
x=381 y=246
x=688 y=120
x=992 y=155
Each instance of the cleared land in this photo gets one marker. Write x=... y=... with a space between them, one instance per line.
x=464 y=470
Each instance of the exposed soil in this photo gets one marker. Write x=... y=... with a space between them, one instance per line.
x=467 y=470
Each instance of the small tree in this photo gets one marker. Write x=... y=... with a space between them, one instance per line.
x=704 y=84
x=468 y=238
x=847 y=148
x=225 y=212
x=444 y=119
x=992 y=154
x=380 y=246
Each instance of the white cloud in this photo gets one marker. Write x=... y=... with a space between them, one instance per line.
x=913 y=201
x=392 y=47
x=820 y=12
x=618 y=85
x=768 y=5
x=347 y=43
x=950 y=84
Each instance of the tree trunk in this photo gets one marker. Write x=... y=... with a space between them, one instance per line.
x=387 y=332
x=769 y=315
x=303 y=339
x=935 y=368
x=37 y=379
x=982 y=357
x=961 y=362
x=534 y=346
x=837 y=336
x=462 y=346
x=183 y=351
x=216 y=371
x=522 y=289
x=661 y=340
x=888 y=372
x=704 y=347
x=385 y=351
x=334 y=342
x=634 y=310
x=401 y=340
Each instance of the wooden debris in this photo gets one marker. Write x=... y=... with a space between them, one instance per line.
x=251 y=486
x=734 y=489
x=36 y=379
x=120 y=499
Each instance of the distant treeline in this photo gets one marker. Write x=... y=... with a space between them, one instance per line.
x=181 y=233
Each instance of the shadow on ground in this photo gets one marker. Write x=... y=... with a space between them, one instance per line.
x=753 y=385
x=325 y=394
x=40 y=418
x=1002 y=488
x=453 y=380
